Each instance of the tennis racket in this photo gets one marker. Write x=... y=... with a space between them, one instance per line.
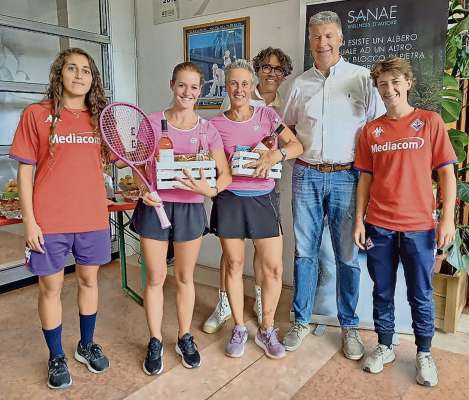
x=129 y=135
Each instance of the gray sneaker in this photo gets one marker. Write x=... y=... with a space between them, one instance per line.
x=381 y=355
x=427 y=374
x=352 y=344
x=295 y=336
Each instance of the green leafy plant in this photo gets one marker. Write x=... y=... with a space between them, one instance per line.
x=452 y=96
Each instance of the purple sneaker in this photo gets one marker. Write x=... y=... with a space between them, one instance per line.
x=235 y=347
x=268 y=341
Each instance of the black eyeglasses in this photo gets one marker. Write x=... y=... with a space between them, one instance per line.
x=267 y=69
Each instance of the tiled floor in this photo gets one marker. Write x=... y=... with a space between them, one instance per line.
x=317 y=370
x=11 y=249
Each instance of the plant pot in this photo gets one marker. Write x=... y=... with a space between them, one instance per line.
x=449 y=296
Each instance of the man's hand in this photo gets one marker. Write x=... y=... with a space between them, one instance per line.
x=445 y=232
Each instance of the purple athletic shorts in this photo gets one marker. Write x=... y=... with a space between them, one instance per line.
x=88 y=248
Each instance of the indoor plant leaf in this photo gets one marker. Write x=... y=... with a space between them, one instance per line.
x=455 y=256
x=450 y=110
x=463 y=191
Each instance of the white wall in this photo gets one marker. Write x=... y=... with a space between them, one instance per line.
x=160 y=48
x=124 y=52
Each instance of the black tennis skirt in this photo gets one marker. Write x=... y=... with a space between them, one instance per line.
x=255 y=217
x=188 y=221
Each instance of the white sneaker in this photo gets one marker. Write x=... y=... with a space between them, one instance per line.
x=257 y=307
x=427 y=374
x=220 y=315
x=375 y=361
x=352 y=344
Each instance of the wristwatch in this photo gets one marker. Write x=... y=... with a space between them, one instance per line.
x=283 y=152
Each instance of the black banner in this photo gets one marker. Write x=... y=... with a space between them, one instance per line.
x=376 y=29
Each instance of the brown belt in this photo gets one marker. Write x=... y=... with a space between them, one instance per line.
x=325 y=167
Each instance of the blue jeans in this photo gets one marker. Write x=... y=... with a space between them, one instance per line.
x=416 y=250
x=316 y=194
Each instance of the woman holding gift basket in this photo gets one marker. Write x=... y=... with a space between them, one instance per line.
x=181 y=129
x=248 y=208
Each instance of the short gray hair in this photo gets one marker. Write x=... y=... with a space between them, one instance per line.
x=239 y=64
x=326 y=17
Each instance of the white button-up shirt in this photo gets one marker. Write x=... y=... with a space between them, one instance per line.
x=329 y=113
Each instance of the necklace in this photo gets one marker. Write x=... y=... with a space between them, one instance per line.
x=75 y=113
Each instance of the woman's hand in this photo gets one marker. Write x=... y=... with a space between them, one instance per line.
x=34 y=237
x=199 y=186
x=263 y=165
x=150 y=201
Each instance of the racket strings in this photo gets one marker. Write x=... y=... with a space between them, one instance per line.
x=128 y=133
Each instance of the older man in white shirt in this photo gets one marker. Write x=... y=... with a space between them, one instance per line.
x=327 y=106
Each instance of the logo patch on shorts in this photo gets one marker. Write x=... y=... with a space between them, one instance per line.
x=369 y=244
x=27 y=254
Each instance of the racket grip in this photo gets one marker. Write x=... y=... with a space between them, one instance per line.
x=164 y=221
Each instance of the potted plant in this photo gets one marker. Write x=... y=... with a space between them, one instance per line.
x=450 y=283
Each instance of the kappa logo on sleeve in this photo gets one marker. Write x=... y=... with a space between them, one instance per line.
x=50 y=119
x=378 y=131
x=369 y=244
x=417 y=124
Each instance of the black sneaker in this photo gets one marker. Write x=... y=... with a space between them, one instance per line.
x=58 y=374
x=92 y=355
x=153 y=364
x=187 y=349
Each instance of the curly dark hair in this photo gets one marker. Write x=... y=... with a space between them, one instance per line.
x=95 y=99
x=284 y=59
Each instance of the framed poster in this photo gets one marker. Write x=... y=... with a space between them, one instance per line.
x=213 y=47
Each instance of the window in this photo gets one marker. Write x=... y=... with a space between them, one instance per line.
x=32 y=33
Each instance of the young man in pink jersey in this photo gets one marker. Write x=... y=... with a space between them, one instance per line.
x=396 y=155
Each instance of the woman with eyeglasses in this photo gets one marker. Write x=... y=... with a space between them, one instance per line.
x=271 y=67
